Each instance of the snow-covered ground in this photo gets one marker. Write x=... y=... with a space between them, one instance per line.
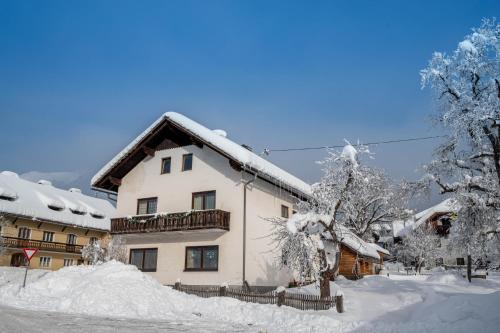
x=111 y=295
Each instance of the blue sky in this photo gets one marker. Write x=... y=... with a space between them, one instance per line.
x=79 y=80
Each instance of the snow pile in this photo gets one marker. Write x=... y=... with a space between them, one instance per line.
x=111 y=289
x=400 y=303
x=447 y=277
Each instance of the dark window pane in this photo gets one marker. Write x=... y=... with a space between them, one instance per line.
x=165 y=167
x=210 y=258
x=187 y=162
x=193 y=259
x=146 y=206
x=210 y=200
x=150 y=258
x=136 y=258
x=460 y=261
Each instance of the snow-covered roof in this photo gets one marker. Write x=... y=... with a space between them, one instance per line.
x=218 y=140
x=44 y=202
x=349 y=239
x=402 y=228
x=380 y=249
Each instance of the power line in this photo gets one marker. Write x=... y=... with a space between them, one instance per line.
x=364 y=144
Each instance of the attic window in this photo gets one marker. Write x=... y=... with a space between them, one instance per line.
x=55 y=207
x=97 y=215
x=78 y=212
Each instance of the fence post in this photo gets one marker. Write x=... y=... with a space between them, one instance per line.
x=281 y=295
x=177 y=285
x=223 y=290
x=339 y=302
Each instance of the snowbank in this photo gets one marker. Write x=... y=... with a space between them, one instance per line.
x=399 y=303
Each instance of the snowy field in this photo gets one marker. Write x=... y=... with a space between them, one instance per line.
x=115 y=297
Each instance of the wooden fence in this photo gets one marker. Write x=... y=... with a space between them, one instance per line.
x=297 y=301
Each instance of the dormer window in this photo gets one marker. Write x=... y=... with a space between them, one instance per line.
x=97 y=215
x=55 y=207
x=187 y=162
x=78 y=211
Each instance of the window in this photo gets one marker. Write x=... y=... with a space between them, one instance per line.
x=24 y=233
x=460 y=261
x=18 y=259
x=165 y=165
x=45 y=262
x=68 y=262
x=203 y=200
x=146 y=206
x=439 y=261
x=93 y=240
x=187 y=162
x=71 y=240
x=202 y=258
x=144 y=259
x=48 y=236
x=284 y=211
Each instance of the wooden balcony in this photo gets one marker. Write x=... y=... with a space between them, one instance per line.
x=20 y=243
x=196 y=220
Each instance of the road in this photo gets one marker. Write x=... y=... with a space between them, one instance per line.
x=14 y=320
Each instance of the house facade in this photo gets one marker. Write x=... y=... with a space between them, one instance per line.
x=440 y=218
x=194 y=205
x=57 y=222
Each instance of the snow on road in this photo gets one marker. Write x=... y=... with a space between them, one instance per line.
x=115 y=296
x=14 y=320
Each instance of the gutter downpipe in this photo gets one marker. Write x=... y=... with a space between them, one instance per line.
x=245 y=185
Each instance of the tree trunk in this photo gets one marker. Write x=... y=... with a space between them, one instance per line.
x=469 y=268
x=324 y=286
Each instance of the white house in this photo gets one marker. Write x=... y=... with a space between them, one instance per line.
x=192 y=205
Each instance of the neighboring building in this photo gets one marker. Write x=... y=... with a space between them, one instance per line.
x=192 y=205
x=440 y=217
x=56 y=222
x=357 y=257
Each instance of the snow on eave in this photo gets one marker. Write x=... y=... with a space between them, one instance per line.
x=447 y=206
x=53 y=205
x=380 y=249
x=249 y=160
x=355 y=243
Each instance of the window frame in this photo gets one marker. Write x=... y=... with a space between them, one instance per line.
x=143 y=250
x=19 y=233
x=72 y=261
x=202 y=248
x=49 y=263
x=184 y=162
x=162 y=171
x=51 y=233
x=147 y=205
x=462 y=259
x=287 y=212
x=93 y=240
x=68 y=238
x=204 y=199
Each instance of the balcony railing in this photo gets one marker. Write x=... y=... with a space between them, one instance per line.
x=13 y=242
x=195 y=220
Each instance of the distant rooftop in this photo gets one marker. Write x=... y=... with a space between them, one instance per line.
x=44 y=202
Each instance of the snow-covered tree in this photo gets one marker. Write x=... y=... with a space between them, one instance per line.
x=350 y=196
x=93 y=253
x=116 y=250
x=467 y=88
x=421 y=246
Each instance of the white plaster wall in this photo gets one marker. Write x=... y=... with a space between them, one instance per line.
x=211 y=171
